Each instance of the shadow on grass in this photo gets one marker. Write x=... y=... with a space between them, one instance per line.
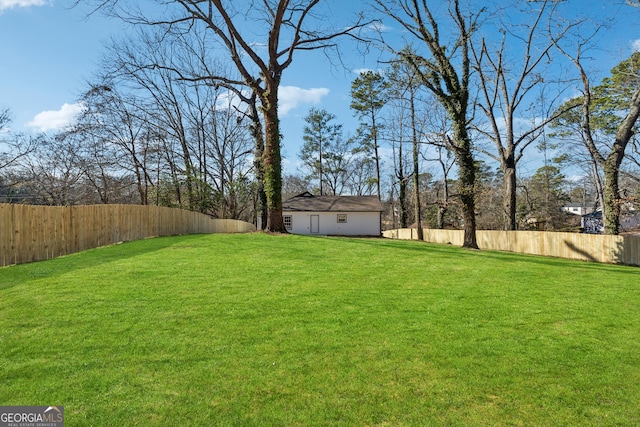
x=414 y=245
x=509 y=257
x=460 y=254
x=14 y=275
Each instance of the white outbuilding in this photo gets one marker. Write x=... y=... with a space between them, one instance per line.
x=333 y=215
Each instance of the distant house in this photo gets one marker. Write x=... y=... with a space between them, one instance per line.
x=333 y=215
x=577 y=209
x=630 y=222
x=592 y=223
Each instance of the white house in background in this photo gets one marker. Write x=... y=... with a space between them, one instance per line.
x=333 y=215
x=577 y=209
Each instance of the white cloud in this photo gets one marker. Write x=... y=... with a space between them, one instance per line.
x=9 y=4
x=54 y=120
x=230 y=101
x=636 y=45
x=379 y=27
x=360 y=71
x=291 y=96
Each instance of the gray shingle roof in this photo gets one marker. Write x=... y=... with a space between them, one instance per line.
x=309 y=203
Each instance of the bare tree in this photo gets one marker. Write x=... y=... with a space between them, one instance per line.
x=12 y=146
x=294 y=185
x=402 y=132
x=112 y=134
x=195 y=65
x=204 y=134
x=5 y=119
x=443 y=198
x=507 y=83
x=446 y=73
x=401 y=174
x=405 y=88
x=227 y=145
x=444 y=161
x=52 y=174
x=361 y=171
x=288 y=26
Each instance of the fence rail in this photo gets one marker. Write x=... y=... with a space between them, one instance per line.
x=32 y=233
x=586 y=247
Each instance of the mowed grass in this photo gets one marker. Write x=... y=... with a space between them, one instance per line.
x=260 y=330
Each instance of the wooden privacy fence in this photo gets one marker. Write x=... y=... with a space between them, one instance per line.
x=586 y=247
x=32 y=233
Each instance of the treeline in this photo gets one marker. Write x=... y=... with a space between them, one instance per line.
x=143 y=136
x=403 y=145
x=186 y=114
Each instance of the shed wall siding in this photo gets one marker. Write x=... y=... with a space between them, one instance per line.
x=358 y=223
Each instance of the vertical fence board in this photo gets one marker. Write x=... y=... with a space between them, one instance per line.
x=19 y=216
x=6 y=228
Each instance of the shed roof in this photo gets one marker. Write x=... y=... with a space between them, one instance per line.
x=307 y=202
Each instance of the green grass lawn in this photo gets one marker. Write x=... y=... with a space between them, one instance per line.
x=262 y=330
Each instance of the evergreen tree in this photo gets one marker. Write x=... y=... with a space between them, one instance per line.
x=320 y=135
x=610 y=111
x=542 y=197
x=368 y=96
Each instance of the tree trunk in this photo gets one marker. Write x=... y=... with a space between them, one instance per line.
x=416 y=199
x=466 y=189
x=320 y=171
x=375 y=148
x=443 y=206
x=141 y=187
x=612 y=202
x=440 y=213
x=599 y=187
x=262 y=196
x=416 y=174
x=466 y=182
x=509 y=194
x=402 y=201
x=272 y=161
x=258 y=138
x=402 y=191
x=611 y=207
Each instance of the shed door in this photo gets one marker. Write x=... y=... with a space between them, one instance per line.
x=315 y=224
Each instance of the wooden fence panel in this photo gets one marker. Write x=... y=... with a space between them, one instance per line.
x=32 y=233
x=585 y=247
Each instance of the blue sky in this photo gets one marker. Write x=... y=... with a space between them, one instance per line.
x=49 y=51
